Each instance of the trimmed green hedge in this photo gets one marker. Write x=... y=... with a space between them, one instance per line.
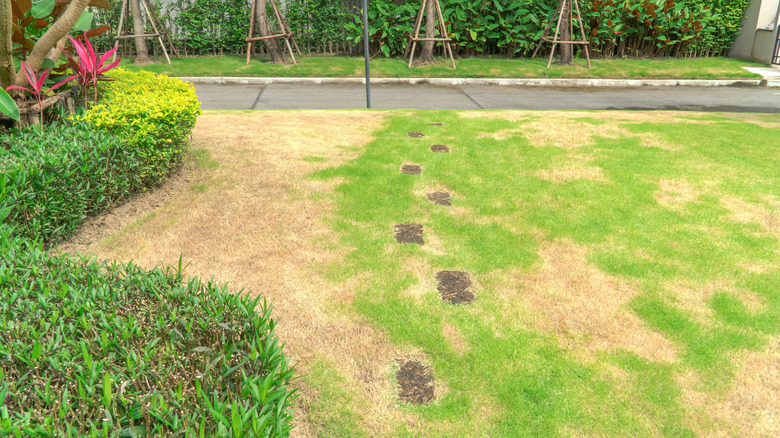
x=88 y=349
x=154 y=114
x=51 y=180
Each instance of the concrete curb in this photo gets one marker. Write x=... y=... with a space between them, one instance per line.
x=607 y=83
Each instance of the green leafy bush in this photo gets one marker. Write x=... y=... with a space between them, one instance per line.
x=212 y=27
x=90 y=349
x=51 y=180
x=614 y=27
x=153 y=114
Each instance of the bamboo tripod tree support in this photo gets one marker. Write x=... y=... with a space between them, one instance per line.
x=565 y=5
x=443 y=37
x=286 y=33
x=159 y=31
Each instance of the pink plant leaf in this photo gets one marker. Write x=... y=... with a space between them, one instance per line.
x=109 y=66
x=30 y=75
x=107 y=55
x=81 y=51
x=63 y=82
x=16 y=87
x=91 y=50
x=39 y=84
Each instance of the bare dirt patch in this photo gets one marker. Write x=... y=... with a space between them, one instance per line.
x=455 y=287
x=440 y=148
x=439 y=198
x=416 y=383
x=257 y=228
x=411 y=169
x=587 y=308
x=409 y=233
x=415 y=134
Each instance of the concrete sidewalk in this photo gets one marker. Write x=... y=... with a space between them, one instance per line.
x=451 y=82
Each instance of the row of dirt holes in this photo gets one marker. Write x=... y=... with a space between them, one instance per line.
x=416 y=380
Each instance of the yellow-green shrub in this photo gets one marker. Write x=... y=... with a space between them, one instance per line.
x=153 y=114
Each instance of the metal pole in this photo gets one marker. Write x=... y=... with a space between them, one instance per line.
x=365 y=52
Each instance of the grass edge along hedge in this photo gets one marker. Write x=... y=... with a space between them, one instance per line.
x=52 y=179
x=90 y=349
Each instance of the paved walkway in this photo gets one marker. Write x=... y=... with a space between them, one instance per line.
x=472 y=97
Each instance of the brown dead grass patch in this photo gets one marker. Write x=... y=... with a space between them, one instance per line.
x=258 y=229
x=573 y=173
x=675 y=194
x=587 y=308
x=746 y=212
x=455 y=339
x=751 y=406
x=502 y=134
x=694 y=296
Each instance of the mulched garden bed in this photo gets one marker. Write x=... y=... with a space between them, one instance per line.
x=416 y=382
x=439 y=198
x=409 y=233
x=455 y=287
x=411 y=169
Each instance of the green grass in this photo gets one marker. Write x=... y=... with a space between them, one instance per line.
x=503 y=211
x=320 y=66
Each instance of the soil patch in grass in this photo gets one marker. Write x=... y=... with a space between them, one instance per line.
x=455 y=287
x=411 y=169
x=409 y=233
x=436 y=124
x=440 y=148
x=439 y=198
x=415 y=134
x=416 y=383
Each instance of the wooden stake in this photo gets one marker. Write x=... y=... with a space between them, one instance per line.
x=152 y=19
x=286 y=32
x=554 y=40
x=442 y=31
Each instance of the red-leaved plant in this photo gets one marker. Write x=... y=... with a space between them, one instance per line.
x=89 y=68
x=36 y=87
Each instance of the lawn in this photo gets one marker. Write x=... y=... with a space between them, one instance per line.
x=624 y=265
x=323 y=66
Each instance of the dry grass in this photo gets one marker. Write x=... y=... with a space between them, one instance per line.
x=751 y=407
x=586 y=308
x=675 y=194
x=256 y=228
x=746 y=212
x=572 y=173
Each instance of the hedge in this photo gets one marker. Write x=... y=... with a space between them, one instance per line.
x=51 y=179
x=90 y=349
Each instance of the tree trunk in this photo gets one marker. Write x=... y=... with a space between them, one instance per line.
x=272 y=46
x=567 y=57
x=7 y=70
x=426 y=56
x=142 y=52
x=49 y=40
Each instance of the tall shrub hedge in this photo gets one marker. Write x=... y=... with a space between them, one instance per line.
x=614 y=27
x=51 y=179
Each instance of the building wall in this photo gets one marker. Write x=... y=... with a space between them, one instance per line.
x=757 y=39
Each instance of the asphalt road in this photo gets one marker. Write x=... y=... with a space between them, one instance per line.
x=473 y=97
